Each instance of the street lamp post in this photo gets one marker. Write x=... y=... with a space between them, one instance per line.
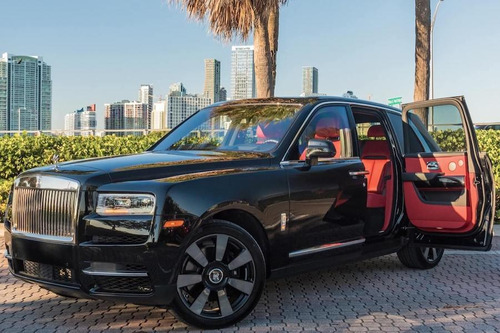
x=432 y=49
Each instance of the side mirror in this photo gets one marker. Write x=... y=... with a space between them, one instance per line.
x=319 y=148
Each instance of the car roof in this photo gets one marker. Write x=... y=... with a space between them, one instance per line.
x=309 y=100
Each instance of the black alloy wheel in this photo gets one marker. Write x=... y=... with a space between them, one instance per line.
x=431 y=254
x=220 y=277
x=420 y=257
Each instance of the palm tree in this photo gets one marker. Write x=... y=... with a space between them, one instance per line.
x=230 y=18
x=422 y=49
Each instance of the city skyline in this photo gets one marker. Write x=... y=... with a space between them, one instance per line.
x=371 y=54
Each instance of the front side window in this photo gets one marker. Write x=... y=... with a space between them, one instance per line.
x=329 y=123
x=437 y=129
x=251 y=128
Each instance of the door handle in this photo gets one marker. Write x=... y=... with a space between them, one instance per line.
x=359 y=173
x=432 y=165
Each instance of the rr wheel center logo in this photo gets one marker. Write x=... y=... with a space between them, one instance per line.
x=215 y=276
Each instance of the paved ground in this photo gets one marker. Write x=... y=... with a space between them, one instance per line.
x=461 y=294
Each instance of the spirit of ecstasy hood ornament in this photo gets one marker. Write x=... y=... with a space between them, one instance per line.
x=55 y=159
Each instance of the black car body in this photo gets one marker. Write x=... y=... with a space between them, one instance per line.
x=370 y=183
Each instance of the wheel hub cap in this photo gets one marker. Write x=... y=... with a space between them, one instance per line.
x=215 y=275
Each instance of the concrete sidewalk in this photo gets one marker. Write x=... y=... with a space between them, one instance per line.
x=496 y=230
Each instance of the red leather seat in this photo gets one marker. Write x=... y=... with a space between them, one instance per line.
x=327 y=129
x=376 y=158
x=270 y=131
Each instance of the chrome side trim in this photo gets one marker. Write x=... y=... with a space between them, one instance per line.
x=324 y=247
x=116 y=273
x=359 y=173
x=292 y=163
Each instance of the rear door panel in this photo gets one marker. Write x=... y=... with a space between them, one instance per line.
x=448 y=187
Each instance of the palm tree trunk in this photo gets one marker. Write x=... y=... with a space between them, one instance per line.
x=262 y=57
x=273 y=29
x=422 y=49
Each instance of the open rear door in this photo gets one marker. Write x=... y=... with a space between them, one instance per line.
x=448 y=184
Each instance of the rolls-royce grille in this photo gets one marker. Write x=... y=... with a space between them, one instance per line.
x=48 y=212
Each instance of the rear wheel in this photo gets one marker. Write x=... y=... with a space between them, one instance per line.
x=420 y=257
x=220 y=277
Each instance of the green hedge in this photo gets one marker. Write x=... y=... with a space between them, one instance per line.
x=23 y=152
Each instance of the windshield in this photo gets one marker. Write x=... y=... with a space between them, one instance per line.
x=250 y=128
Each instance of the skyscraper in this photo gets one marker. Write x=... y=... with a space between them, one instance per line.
x=182 y=105
x=125 y=115
x=309 y=80
x=81 y=122
x=159 y=116
x=242 y=72
x=222 y=94
x=212 y=80
x=146 y=97
x=25 y=93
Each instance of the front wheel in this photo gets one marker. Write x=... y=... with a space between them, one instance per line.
x=220 y=277
x=420 y=257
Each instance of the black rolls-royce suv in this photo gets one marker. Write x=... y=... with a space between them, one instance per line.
x=246 y=190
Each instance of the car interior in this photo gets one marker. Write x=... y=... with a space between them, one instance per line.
x=376 y=156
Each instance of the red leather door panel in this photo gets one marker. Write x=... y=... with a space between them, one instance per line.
x=435 y=206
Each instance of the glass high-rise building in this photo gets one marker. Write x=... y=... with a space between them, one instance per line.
x=309 y=80
x=181 y=105
x=159 y=116
x=25 y=93
x=242 y=72
x=146 y=97
x=126 y=115
x=212 y=80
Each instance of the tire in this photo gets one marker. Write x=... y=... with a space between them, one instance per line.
x=420 y=257
x=220 y=276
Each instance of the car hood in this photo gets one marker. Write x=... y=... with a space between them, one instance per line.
x=152 y=165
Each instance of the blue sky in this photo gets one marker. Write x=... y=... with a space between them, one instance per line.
x=101 y=51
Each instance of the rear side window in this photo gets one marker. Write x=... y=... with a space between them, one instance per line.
x=438 y=129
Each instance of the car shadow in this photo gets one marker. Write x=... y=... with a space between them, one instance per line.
x=376 y=293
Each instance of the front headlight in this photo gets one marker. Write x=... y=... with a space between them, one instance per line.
x=125 y=204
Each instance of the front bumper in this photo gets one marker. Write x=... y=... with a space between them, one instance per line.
x=120 y=273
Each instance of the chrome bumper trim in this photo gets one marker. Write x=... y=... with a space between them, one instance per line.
x=38 y=237
x=115 y=273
